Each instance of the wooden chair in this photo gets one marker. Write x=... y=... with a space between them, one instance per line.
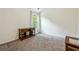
x=71 y=43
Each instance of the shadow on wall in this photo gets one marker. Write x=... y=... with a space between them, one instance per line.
x=55 y=27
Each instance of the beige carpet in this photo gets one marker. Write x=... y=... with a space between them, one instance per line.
x=40 y=42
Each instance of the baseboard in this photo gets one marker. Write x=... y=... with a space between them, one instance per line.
x=55 y=35
x=3 y=43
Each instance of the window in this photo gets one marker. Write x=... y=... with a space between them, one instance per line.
x=34 y=21
x=35 y=17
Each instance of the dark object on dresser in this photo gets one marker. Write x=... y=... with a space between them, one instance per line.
x=71 y=43
x=25 y=33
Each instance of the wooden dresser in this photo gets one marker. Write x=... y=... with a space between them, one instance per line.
x=71 y=43
x=25 y=33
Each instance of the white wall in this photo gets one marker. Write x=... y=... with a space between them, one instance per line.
x=10 y=21
x=59 y=21
x=78 y=24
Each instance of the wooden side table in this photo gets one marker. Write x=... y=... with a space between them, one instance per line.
x=25 y=33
